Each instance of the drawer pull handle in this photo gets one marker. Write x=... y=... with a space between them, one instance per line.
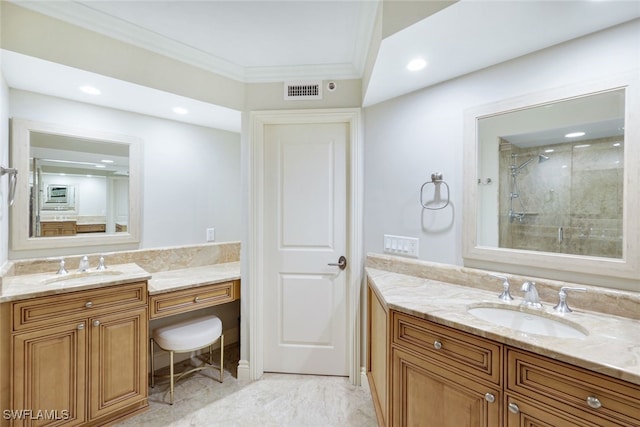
x=196 y=299
x=489 y=397
x=88 y=304
x=513 y=408
x=96 y=323
x=437 y=345
x=81 y=326
x=594 y=402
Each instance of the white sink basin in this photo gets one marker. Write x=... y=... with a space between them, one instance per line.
x=527 y=322
x=84 y=275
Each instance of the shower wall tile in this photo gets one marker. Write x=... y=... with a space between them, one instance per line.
x=577 y=189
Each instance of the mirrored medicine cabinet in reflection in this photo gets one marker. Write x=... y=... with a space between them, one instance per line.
x=81 y=188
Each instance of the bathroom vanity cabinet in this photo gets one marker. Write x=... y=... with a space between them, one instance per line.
x=57 y=228
x=543 y=391
x=422 y=374
x=81 y=356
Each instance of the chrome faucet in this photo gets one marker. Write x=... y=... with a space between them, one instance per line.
x=562 y=306
x=101 y=266
x=84 y=264
x=505 y=295
x=531 y=298
x=61 y=269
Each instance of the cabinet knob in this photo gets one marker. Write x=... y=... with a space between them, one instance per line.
x=96 y=323
x=489 y=397
x=594 y=402
x=513 y=408
x=88 y=304
x=196 y=299
x=437 y=345
x=81 y=326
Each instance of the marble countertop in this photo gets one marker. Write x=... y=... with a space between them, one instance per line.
x=173 y=280
x=612 y=346
x=34 y=285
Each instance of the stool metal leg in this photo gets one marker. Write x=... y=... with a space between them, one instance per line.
x=153 y=382
x=171 y=374
x=221 y=358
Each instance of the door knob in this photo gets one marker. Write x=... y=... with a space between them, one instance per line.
x=342 y=263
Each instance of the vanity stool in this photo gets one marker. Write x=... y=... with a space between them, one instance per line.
x=187 y=336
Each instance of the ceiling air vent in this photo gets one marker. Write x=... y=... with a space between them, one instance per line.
x=301 y=90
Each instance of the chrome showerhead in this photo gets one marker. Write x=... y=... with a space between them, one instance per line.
x=542 y=158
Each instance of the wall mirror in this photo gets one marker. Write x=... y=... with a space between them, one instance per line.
x=75 y=187
x=551 y=184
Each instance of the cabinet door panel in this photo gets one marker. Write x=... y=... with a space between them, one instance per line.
x=425 y=395
x=49 y=376
x=118 y=362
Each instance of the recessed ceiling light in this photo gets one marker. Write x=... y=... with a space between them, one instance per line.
x=90 y=90
x=106 y=161
x=574 y=134
x=180 y=110
x=416 y=64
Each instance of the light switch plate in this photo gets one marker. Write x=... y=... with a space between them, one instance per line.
x=401 y=245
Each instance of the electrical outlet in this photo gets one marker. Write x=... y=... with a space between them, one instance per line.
x=211 y=234
x=401 y=245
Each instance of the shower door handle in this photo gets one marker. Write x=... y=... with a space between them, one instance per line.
x=342 y=263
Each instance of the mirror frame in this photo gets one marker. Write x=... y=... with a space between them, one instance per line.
x=19 y=223
x=558 y=266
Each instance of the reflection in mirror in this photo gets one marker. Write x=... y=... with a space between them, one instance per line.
x=560 y=170
x=82 y=187
x=77 y=186
x=544 y=200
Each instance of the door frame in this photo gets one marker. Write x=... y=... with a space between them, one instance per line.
x=253 y=279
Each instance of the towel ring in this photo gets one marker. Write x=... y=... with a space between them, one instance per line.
x=436 y=180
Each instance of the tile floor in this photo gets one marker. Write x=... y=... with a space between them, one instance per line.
x=274 y=400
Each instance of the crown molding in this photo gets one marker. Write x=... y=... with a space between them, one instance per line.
x=84 y=16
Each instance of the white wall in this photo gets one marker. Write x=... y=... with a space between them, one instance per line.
x=191 y=176
x=408 y=138
x=4 y=161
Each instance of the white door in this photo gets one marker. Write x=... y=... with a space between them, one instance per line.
x=305 y=322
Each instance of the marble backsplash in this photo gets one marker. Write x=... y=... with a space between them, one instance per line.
x=152 y=260
x=602 y=300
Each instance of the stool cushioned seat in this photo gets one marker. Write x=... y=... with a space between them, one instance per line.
x=189 y=335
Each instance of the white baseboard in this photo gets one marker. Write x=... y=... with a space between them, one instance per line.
x=161 y=358
x=364 y=381
x=244 y=373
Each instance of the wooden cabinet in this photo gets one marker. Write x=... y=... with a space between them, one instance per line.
x=377 y=356
x=57 y=228
x=81 y=356
x=547 y=391
x=443 y=377
x=182 y=301
x=91 y=228
x=425 y=374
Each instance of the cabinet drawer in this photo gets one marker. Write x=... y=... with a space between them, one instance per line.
x=458 y=351
x=175 y=302
x=568 y=388
x=57 y=308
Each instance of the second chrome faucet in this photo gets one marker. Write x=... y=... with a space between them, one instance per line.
x=531 y=297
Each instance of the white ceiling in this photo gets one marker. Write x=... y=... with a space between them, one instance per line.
x=277 y=40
